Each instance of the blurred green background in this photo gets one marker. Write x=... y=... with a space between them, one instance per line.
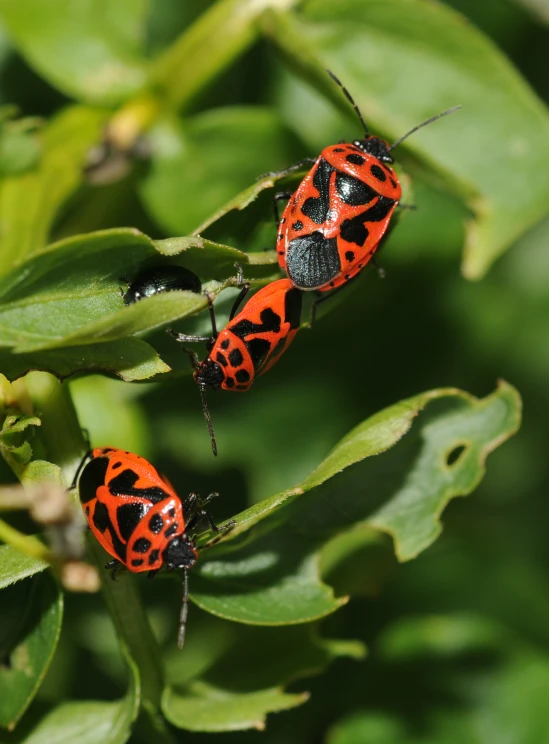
x=458 y=639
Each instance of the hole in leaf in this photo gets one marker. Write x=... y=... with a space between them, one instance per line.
x=455 y=454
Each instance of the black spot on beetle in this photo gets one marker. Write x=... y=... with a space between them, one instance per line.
x=353 y=231
x=137 y=562
x=124 y=485
x=153 y=557
x=259 y=348
x=270 y=323
x=116 y=465
x=242 y=375
x=236 y=358
x=101 y=519
x=221 y=358
x=141 y=545
x=172 y=529
x=378 y=173
x=292 y=308
x=339 y=149
x=156 y=523
x=298 y=225
x=355 y=159
x=393 y=183
x=171 y=512
x=92 y=477
x=353 y=191
x=225 y=344
x=316 y=207
x=349 y=256
x=229 y=382
x=128 y=516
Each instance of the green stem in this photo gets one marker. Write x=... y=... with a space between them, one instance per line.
x=134 y=118
x=26 y=544
x=219 y=36
x=133 y=629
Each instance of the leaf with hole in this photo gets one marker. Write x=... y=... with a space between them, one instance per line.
x=404 y=490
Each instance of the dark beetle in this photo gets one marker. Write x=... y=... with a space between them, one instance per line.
x=161 y=279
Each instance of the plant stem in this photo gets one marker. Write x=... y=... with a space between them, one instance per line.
x=133 y=629
x=208 y=47
x=26 y=544
x=134 y=118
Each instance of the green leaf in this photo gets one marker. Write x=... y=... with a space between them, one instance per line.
x=215 y=699
x=92 y=721
x=273 y=581
x=208 y=708
x=240 y=202
x=86 y=722
x=70 y=293
x=128 y=358
x=203 y=162
x=404 y=491
x=214 y=259
x=145 y=315
x=89 y=50
x=14 y=447
x=385 y=52
x=38 y=605
x=30 y=202
x=15 y=566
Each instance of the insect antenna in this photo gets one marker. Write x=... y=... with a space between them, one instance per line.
x=208 y=417
x=424 y=124
x=184 y=610
x=349 y=97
